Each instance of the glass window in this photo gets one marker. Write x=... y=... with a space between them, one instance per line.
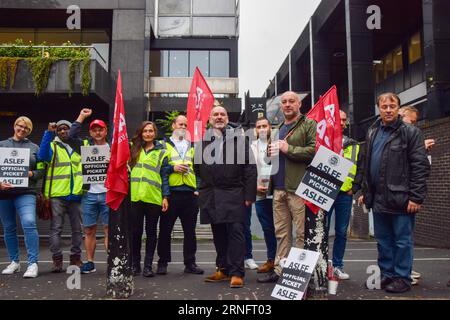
x=58 y=36
x=165 y=63
x=173 y=26
x=175 y=7
x=388 y=65
x=9 y=35
x=379 y=72
x=219 y=64
x=398 y=59
x=214 y=6
x=178 y=63
x=415 y=48
x=214 y=26
x=94 y=36
x=199 y=59
x=155 y=63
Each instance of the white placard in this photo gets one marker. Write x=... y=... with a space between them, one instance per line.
x=321 y=183
x=14 y=166
x=94 y=162
x=296 y=274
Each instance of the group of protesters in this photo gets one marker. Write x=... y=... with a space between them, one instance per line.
x=167 y=182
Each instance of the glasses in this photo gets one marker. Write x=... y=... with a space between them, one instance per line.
x=24 y=128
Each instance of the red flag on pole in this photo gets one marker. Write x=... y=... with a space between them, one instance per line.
x=117 y=175
x=326 y=113
x=199 y=106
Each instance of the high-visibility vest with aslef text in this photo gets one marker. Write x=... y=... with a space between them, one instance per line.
x=351 y=153
x=176 y=178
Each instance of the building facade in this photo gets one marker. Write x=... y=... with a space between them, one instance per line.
x=156 y=44
x=369 y=47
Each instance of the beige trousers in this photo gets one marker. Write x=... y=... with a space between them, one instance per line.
x=289 y=211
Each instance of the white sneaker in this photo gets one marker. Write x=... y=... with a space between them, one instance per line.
x=415 y=274
x=250 y=264
x=414 y=281
x=32 y=271
x=12 y=268
x=341 y=274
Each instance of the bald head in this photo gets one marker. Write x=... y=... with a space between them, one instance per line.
x=290 y=105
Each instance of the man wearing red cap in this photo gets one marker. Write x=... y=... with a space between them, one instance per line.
x=93 y=201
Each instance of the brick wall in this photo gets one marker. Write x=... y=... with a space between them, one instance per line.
x=433 y=222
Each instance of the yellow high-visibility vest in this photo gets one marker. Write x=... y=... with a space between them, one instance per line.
x=66 y=168
x=177 y=178
x=351 y=153
x=146 y=182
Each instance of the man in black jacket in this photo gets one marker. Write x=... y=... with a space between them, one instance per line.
x=227 y=187
x=394 y=187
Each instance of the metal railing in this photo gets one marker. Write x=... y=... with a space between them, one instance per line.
x=51 y=46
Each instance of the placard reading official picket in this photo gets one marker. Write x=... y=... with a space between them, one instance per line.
x=296 y=274
x=94 y=162
x=323 y=179
x=14 y=166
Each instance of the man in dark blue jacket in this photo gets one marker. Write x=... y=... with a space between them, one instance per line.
x=394 y=187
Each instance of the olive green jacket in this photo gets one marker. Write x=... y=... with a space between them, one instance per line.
x=302 y=148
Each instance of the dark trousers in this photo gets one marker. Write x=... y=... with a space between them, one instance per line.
x=183 y=205
x=229 y=241
x=151 y=213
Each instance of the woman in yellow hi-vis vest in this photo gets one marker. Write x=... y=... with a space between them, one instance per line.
x=149 y=193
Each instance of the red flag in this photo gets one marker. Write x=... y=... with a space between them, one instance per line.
x=326 y=113
x=199 y=106
x=117 y=175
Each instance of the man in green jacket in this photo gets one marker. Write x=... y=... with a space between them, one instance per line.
x=295 y=149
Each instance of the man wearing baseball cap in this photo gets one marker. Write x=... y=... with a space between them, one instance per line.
x=62 y=184
x=93 y=201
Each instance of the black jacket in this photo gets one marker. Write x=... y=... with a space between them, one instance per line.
x=225 y=187
x=403 y=171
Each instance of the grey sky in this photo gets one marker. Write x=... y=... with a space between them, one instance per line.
x=268 y=30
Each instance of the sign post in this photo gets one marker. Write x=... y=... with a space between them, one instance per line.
x=14 y=166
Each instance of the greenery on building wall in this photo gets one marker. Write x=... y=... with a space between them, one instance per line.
x=40 y=62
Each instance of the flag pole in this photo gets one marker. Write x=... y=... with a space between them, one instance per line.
x=120 y=281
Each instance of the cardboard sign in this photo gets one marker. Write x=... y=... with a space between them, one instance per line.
x=94 y=162
x=14 y=166
x=296 y=274
x=323 y=179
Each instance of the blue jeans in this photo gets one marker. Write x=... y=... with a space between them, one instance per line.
x=343 y=209
x=264 y=211
x=93 y=205
x=25 y=206
x=394 y=234
x=248 y=234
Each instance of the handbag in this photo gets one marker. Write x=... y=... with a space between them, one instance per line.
x=43 y=204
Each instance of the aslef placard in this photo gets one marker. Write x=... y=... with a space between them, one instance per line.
x=296 y=274
x=323 y=178
x=14 y=166
x=94 y=162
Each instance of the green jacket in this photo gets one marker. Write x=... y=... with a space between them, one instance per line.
x=301 y=151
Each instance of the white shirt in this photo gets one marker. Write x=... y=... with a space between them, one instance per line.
x=181 y=146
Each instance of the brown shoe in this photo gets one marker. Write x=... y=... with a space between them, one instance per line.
x=217 y=276
x=236 y=282
x=75 y=260
x=57 y=264
x=266 y=267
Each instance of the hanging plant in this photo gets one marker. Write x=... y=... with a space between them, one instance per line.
x=86 y=77
x=40 y=70
x=8 y=68
x=73 y=65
